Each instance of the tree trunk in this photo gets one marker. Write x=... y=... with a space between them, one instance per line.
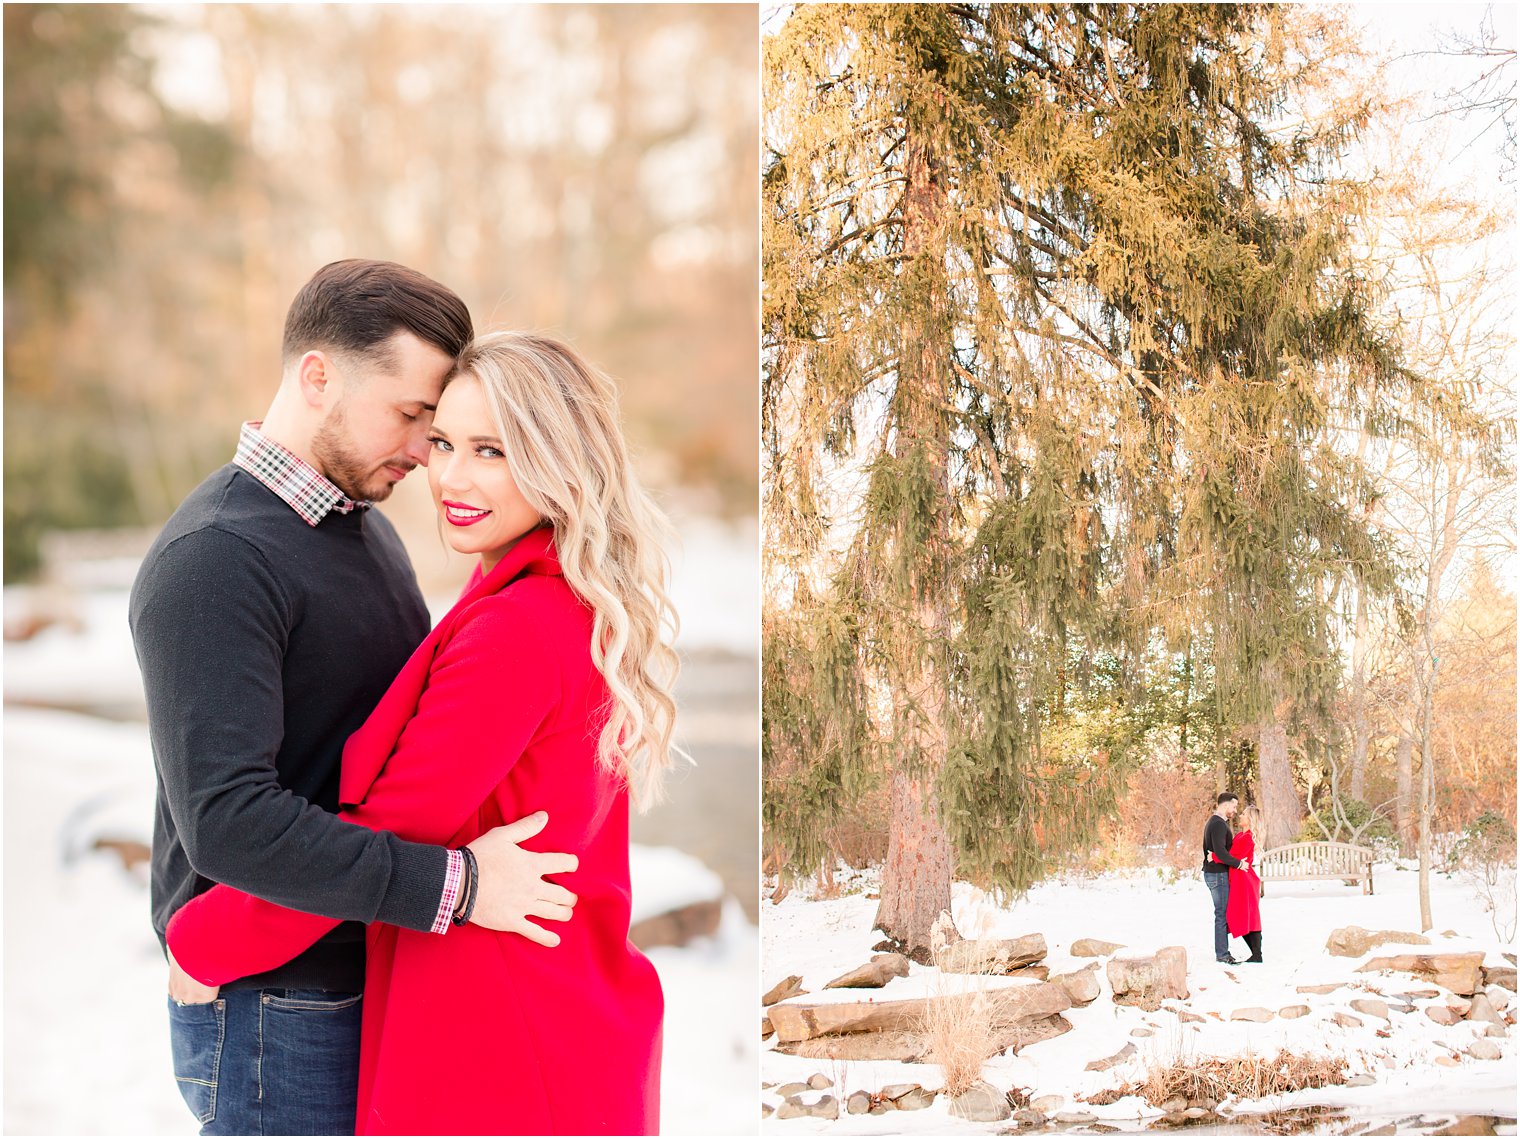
x=915 y=885
x=1404 y=812
x=1359 y=727
x=1280 y=808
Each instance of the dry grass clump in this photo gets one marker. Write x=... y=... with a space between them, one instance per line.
x=960 y=1031
x=1248 y=1077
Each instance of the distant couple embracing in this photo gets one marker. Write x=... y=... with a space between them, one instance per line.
x=1229 y=871
x=341 y=868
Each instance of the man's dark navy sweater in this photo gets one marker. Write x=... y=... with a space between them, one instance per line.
x=1217 y=838
x=264 y=642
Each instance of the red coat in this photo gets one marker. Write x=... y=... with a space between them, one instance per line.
x=472 y=1032
x=1242 y=913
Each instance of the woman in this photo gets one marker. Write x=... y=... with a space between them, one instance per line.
x=1242 y=912
x=546 y=687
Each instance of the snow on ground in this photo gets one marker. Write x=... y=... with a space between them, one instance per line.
x=86 y=1035
x=822 y=938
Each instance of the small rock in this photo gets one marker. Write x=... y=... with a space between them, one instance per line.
x=826 y=1108
x=1482 y=1009
x=1190 y=1017
x=1459 y=1005
x=999 y=957
x=915 y=1100
x=1195 y=1112
x=1204 y=1102
x=1174 y=1104
x=1442 y=1015
x=874 y=974
x=1346 y=1020
x=1497 y=1031
x=1075 y=1117
x=1361 y=1080
x=1510 y=957
x=1448 y=1061
x=883 y=1107
x=1293 y=1012
x=1469 y=1125
x=1029 y=1117
x=1371 y=1007
x=892 y=1091
x=1485 y=1049
x=1046 y=1104
x=796 y=1087
x=791 y=987
x=818 y=1082
x=981 y=1103
x=1257 y=1015
x=766 y=1111
x=1142 y=1031
x=1112 y=1061
x=1501 y=975
x=858 y=1104
x=1320 y=990
x=1092 y=947
x=1082 y=986
x=766 y=1029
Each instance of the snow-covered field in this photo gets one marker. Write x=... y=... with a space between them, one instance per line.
x=86 y=1040
x=823 y=938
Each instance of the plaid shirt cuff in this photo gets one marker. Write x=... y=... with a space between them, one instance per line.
x=451 y=883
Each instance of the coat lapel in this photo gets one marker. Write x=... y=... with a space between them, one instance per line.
x=368 y=749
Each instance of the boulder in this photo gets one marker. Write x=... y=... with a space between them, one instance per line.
x=1082 y=986
x=1371 y=1007
x=892 y=1091
x=1442 y=1015
x=1113 y=1061
x=998 y=957
x=796 y=1087
x=981 y=1103
x=1503 y=975
x=858 y=1104
x=1459 y=972
x=1485 y=1049
x=1293 y=1012
x=781 y=990
x=873 y=974
x=1147 y=981
x=819 y=1082
x=1354 y=941
x=1012 y=1005
x=1092 y=947
x=1255 y=1015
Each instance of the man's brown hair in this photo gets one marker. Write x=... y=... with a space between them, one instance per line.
x=353 y=306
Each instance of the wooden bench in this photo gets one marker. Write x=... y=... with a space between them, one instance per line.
x=1314 y=861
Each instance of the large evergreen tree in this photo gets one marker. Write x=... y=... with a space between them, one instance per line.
x=1059 y=349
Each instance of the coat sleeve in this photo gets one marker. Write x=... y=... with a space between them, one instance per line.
x=490 y=690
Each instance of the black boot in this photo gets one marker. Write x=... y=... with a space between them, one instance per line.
x=1253 y=943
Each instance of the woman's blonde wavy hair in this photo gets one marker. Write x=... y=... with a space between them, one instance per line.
x=558 y=421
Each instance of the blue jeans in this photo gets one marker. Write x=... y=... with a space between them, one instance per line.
x=269 y=1061
x=1219 y=891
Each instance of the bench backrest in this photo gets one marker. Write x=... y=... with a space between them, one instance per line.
x=1330 y=859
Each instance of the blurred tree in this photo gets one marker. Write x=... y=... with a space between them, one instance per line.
x=1060 y=348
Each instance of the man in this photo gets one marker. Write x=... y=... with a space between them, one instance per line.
x=269 y=616
x=1217 y=861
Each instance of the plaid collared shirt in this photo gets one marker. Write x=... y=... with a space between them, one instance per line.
x=308 y=492
x=313 y=496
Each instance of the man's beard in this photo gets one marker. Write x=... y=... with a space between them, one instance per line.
x=333 y=450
